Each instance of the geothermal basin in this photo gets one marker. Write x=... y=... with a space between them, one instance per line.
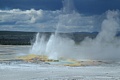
x=13 y=68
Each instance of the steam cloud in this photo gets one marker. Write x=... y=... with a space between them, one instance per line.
x=106 y=46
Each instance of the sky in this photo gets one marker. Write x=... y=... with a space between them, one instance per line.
x=52 y=15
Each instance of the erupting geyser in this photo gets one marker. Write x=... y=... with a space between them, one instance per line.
x=106 y=46
x=57 y=46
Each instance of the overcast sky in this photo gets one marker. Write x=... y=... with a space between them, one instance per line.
x=45 y=15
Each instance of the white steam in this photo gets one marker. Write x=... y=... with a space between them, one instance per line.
x=39 y=46
x=68 y=6
x=106 y=46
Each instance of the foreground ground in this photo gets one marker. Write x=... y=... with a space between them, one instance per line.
x=20 y=70
x=51 y=72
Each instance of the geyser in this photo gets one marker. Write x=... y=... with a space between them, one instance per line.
x=106 y=46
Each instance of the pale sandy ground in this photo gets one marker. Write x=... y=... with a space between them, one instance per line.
x=30 y=71
x=52 y=72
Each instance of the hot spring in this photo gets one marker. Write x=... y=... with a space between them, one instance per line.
x=105 y=46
